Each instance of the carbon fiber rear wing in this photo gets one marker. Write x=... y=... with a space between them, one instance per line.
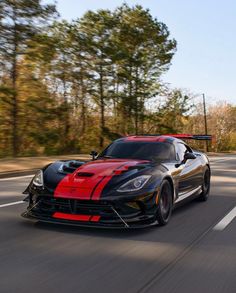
x=192 y=136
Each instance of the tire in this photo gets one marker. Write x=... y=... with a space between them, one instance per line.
x=165 y=203
x=205 y=186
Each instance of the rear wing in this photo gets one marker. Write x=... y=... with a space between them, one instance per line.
x=192 y=136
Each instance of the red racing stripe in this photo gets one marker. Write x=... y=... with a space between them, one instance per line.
x=97 y=192
x=76 y=186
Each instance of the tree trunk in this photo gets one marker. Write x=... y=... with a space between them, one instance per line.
x=15 y=144
x=66 y=114
x=83 y=106
x=102 y=109
x=142 y=109
x=14 y=76
x=127 y=120
x=136 y=104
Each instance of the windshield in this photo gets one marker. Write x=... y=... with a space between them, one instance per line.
x=152 y=151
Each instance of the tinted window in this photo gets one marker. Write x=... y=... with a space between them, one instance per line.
x=153 y=151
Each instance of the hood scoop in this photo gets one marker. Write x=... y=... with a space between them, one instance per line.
x=84 y=174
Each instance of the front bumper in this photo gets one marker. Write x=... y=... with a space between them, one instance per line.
x=138 y=213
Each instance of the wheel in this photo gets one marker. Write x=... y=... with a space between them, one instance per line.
x=165 y=203
x=205 y=186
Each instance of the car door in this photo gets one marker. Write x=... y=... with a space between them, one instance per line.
x=190 y=176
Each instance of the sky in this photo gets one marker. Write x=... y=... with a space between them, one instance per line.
x=205 y=31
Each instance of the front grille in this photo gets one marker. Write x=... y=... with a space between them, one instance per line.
x=43 y=207
x=73 y=206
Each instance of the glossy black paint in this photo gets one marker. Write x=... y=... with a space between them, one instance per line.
x=185 y=174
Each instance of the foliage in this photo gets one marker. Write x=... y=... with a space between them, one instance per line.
x=221 y=119
x=68 y=87
x=20 y=20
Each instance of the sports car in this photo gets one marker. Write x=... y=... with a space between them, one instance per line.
x=135 y=182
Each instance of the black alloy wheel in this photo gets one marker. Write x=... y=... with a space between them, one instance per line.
x=205 y=186
x=165 y=203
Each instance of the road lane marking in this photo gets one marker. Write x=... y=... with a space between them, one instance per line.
x=15 y=178
x=224 y=170
x=223 y=179
x=221 y=160
x=226 y=220
x=11 y=204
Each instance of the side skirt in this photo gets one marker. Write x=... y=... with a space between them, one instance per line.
x=195 y=191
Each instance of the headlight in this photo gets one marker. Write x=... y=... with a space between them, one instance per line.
x=134 y=184
x=38 y=179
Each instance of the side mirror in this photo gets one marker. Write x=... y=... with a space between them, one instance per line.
x=93 y=154
x=189 y=156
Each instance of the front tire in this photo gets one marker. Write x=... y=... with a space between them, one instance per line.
x=205 y=186
x=165 y=203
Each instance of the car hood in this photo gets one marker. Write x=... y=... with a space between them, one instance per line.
x=89 y=180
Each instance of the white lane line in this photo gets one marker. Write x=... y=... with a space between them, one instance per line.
x=223 y=179
x=226 y=220
x=225 y=170
x=220 y=160
x=15 y=178
x=11 y=204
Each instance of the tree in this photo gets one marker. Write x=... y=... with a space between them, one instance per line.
x=171 y=115
x=39 y=127
x=61 y=68
x=96 y=29
x=127 y=52
x=20 y=20
x=144 y=52
x=86 y=79
x=222 y=124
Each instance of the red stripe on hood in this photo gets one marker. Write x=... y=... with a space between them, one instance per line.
x=77 y=187
x=98 y=190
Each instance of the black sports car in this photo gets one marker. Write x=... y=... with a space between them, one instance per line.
x=135 y=182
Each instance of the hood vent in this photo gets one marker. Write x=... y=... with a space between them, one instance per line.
x=126 y=169
x=84 y=174
x=70 y=166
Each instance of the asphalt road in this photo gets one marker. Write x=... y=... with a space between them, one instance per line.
x=194 y=253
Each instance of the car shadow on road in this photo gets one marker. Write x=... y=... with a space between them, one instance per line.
x=188 y=221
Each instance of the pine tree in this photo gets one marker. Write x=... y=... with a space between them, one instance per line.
x=20 y=20
x=145 y=52
x=96 y=29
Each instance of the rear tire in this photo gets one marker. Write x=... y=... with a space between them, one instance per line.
x=205 y=186
x=165 y=203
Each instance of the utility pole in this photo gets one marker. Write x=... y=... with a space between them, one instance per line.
x=205 y=119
